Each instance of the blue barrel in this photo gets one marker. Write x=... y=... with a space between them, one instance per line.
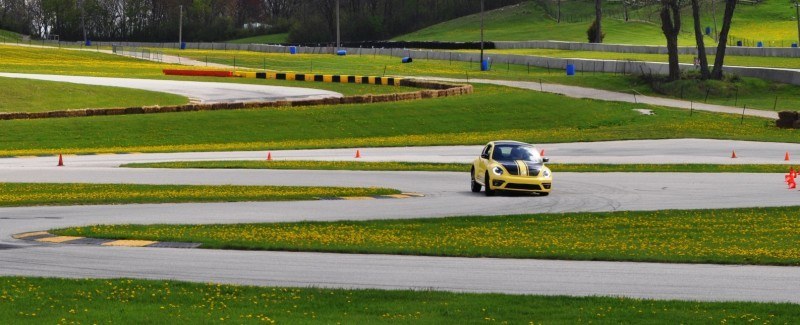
x=485 y=65
x=570 y=69
x=292 y=49
x=708 y=30
x=738 y=43
x=408 y=59
x=183 y=45
x=794 y=45
x=760 y=44
x=88 y=42
x=341 y=52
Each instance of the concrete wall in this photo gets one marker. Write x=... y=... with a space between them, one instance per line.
x=711 y=50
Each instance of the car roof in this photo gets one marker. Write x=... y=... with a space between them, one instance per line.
x=501 y=142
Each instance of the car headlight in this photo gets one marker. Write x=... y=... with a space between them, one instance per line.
x=546 y=173
x=497 y=170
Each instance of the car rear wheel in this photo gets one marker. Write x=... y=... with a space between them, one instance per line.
x=488 y=185
x=476 y=187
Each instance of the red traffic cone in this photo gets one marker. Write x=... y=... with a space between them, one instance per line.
x=358 y=153
x=269 y=156
x=733 y=154
x=786 y=158
x=541 y=153
x=60 y=161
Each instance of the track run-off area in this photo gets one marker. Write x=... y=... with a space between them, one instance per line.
x=446 y=194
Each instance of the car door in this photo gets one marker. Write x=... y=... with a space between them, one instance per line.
x=483 y=163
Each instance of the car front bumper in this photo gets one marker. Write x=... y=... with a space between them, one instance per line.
x=521 y=183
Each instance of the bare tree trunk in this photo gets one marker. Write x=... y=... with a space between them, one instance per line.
x=598 y=16
x=671 y=26
x=701 y=47
x=730 y=6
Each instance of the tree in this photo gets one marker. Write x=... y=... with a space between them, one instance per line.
x=671 y=26
x=598 y=18
x=701 y=47
x=730 y=5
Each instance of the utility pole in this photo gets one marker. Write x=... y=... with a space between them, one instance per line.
x=797 y=15
x=83 y=20
x=714 y=16
x=481 y=35
x=338 y=28
x=180 y=27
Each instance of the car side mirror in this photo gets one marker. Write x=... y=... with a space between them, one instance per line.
x=485 y=156
x=546 y=160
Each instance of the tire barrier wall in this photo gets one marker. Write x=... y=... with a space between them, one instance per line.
x=433 y=90
x=386 y=81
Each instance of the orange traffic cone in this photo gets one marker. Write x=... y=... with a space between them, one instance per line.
x=269 y=156
x=786 y=158
x=733 y=155
x=60 y=161
x=541 y=153
x=358 y=153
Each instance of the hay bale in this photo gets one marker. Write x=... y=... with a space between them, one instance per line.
x=134 y=110
x=784 y=124
x=788 y=115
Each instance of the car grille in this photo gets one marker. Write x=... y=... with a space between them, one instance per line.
x=533 y=187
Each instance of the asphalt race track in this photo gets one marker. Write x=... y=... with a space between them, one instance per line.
x=199 y=92
x=446 y=194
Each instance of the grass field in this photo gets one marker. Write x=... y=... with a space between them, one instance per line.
x=263 y=39
x=452 y=167
x=20 y=95
x=754 y=93
x=772 y=21
x=547 y=118
x=516 y=114
x=36 y=301
x=34 y=194
x=740 y=236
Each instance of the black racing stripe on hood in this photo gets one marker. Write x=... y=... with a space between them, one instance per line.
x=510 y=166
x=534 y=168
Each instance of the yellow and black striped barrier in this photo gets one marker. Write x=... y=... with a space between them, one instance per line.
x=370 y=80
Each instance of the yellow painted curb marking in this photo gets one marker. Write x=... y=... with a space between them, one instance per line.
x=30 y=234
x=129 y=243
x=358 y=198
x=59 y=239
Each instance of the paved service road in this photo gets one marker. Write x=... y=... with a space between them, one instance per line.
x=447 y=194
x=200 y=92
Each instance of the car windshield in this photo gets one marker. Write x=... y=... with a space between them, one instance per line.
x=516 y=152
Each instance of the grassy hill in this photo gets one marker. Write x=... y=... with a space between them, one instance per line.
x=263 y=39
x=6 y=36
x=772 y=21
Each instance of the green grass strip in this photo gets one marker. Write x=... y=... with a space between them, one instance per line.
x=50 y=301
x=36 y=194
x=739 y=236
x=456 y=167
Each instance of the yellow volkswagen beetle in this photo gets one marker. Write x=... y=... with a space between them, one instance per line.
x=511 y=166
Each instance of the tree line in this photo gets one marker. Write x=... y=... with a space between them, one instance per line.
x=306 y=21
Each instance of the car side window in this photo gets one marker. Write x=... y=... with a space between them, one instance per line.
x=486 y=150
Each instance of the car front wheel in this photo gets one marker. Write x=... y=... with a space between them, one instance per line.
x=488 y=185
x=476 y=187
